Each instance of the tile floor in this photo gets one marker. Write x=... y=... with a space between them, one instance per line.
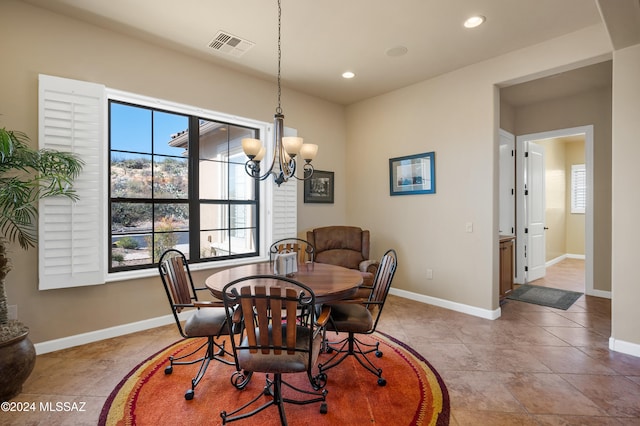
x=532 y=366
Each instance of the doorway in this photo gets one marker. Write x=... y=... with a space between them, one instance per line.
x=531 y=229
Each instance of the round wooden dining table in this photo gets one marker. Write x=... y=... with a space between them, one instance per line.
x=328 y=282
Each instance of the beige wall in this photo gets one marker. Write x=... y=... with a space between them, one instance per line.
x=566 y=230
x=455 y=115
x=507 y=117
x=575 y=223
x=37 y=41
x=555 y=198
x=626 y=197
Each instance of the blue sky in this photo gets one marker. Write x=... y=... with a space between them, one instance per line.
x=131 y=129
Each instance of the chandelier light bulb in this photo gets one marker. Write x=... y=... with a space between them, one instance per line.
x=308 y=151
x=260 y=154
x=292 y=145
x=251 y=147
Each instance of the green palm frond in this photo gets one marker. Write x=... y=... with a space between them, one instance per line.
x=26 y=176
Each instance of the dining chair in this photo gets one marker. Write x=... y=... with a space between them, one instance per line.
x=357 y=317
x=306 y=251
x=208 y=318
x=275 y=344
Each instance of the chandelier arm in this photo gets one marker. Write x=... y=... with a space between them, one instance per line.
x=252 y=168
x=288 y=168
x=308 y=171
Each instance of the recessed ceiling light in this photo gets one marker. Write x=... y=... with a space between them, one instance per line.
x=474 y=21
x=348 y=74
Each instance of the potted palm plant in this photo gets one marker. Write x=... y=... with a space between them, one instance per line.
x=26 y=175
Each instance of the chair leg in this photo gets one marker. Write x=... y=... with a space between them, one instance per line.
x=214 y=351
x=273 y=388
x=351 y=346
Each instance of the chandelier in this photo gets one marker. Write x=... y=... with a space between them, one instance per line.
x=285 y=149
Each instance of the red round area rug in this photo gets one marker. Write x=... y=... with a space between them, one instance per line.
x=414 y=395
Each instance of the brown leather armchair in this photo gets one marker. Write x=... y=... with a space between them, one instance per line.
x=346 y=246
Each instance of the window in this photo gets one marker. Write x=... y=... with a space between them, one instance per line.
x=178 y=181
x=578 y=188
x=225 y=216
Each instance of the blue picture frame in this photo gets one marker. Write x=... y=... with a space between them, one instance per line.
x=412 y=174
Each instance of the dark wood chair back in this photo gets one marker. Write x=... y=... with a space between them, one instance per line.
x=176 y=277
x=306 y=251
x=278 y=318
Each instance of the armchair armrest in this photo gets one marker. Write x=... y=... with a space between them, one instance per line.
x=369 y=266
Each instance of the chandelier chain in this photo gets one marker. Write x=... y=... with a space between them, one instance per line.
x=284 y=161
x=279 y=108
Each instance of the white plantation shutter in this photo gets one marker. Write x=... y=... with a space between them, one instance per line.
x=285 y=210
x=285 y=204
x=71 y=242
x=578 y=188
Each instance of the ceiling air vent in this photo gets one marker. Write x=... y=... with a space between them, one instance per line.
x=231 y=45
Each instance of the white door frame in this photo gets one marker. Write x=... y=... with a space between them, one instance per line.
x=520 y=242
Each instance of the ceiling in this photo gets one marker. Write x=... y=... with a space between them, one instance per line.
x=322 y=39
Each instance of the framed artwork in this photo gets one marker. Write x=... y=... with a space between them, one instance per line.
x=413 y=174
x=319 y=188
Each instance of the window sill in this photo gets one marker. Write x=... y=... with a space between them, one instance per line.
x=153 y=272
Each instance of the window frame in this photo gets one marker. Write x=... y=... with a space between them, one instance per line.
x=194 y=201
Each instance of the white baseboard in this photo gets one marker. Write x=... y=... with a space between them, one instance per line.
x=105 y=333
x=599 y=293
x=576 y=256
x=563 y=257
x=447 y=304
x=553 y=261
x=624 y=347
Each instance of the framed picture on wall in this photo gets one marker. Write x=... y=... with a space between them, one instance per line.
x=413 y=174
x=319 y=188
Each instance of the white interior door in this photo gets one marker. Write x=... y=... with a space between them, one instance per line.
x=535 y=211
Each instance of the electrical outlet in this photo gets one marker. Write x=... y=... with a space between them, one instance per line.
x=13 y=312
x=429 y=274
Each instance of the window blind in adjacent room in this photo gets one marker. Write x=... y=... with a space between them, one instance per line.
x=578 y=189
